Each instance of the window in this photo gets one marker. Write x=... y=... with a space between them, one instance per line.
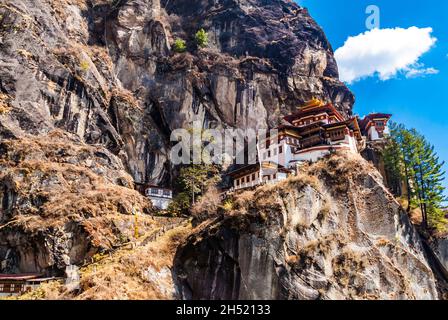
x=253 y=177
x=1 y=287
x=12 y=288
x=237 y=182
x=167 y=193
x=274 y=176
x=280 y=149
x=269 y=153
x=248 y=179
x=154 y=191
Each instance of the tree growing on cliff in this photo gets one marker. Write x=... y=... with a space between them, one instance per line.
x=409 y=157
x=193 y=177
x=193 y=182
x=180 y=205
x=201 y=38
x=398 y=160
x=428 y=177
x=393 y=162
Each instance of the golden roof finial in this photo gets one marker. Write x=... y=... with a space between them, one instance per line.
x=314 y=102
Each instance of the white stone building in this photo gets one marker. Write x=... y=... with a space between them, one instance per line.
x=160 y=197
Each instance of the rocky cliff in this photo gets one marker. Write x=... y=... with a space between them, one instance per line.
x=333 y=232
x=105 y=71
x=90 y=91
x=62 y=202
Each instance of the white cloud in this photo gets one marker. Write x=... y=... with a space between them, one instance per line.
x=385 y=53
x=420 y=71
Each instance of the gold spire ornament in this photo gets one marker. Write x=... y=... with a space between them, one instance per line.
x=314 y=102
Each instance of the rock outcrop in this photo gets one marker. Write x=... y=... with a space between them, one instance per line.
x=105 y=71
x=333 y=232
x=62 y=202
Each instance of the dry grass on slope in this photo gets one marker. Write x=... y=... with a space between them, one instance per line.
x=333 y=174
x=141 y=273
x=55 y=180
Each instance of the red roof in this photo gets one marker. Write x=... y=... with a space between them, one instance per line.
x=20 y=277
x=372 y=116
x=308 y=111
x=378 y=115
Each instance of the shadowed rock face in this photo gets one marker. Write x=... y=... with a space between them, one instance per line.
x=440 y=248
x=342 y=236
x=105 y=71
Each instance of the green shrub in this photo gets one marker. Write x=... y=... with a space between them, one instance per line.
x=180 y=46
x=201 y=38
x=84 y=65
x=228 y=205
x=180 y=205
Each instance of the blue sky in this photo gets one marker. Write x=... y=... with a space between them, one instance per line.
x=418 y=102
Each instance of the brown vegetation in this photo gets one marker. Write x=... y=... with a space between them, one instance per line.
x=140 y=273
x=4 y=103
x=208 y=205
x=58 y=180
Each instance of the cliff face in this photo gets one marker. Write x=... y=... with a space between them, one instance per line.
x=93 y=90
x=333 y=232
x=62 y=202
x=105 y=71
x=90 y=91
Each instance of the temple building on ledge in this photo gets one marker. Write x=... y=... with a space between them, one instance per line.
x=374 y=126
x=314 y=131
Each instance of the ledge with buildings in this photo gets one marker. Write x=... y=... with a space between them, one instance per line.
x=314 y=131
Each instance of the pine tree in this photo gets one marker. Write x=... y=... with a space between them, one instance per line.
x=398 y=160
x=393 y=162
x=428 y=178
x=193 y=178
x=410 y=157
